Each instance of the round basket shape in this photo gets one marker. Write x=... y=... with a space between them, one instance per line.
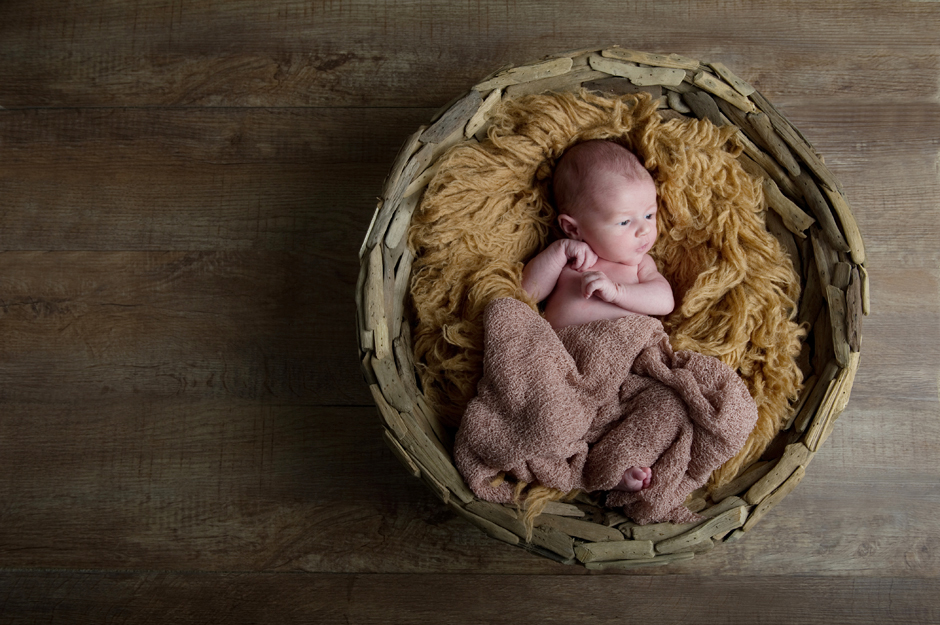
x=807 y=212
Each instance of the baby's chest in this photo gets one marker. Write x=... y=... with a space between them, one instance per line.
x=618 y=273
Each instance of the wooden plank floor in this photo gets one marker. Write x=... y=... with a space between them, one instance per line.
x=184 y=432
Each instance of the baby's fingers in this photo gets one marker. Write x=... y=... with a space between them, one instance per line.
x=580 y=260
x=590 y=282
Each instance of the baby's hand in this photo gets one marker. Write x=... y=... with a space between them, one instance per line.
x=580 y=254
x=597 y=283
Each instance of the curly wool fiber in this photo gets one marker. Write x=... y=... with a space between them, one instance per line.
x=488 y=210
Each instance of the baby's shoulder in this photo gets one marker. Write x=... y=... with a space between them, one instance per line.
x=647 y=269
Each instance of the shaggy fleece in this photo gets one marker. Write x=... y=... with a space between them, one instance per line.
x=488 y=210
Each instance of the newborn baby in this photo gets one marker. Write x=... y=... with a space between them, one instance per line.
x=607 y=209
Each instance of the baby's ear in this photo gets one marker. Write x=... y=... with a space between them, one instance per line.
x=569 y=226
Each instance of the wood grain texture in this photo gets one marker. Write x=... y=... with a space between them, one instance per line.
x=184 y=430
x=285 y=598
x=300 y=180
x=83 y=326
x=242 y=53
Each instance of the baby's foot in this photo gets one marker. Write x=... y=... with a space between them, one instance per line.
x=635 y=479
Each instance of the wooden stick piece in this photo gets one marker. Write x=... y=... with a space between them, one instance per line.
x=796 y=454
x=375 y=302
x=492 y=529
x=725 y=522
x=395 y=184
x=434 y=421
x=400 y=222
x=729 y=77
x=616 y=86
x=456 y=117
x=786 y=238
x=674 y=99
x=366 y=367
x=646 y=58
x=421 y=181
x=744 y=481
x=820 y=208
x=812 y=297
x=866 y=289
x=757 y=128
x=483 y=113
x=585 y=530
x=840 y=341
x=704 y=107
x=721 y=89
x=386 y=372
x=853 y=311
x=818 y=392
x=614 y=550
x=434 y=484
x=365 y=240
x=388 y=414
x=558 y=508
x=526 y=73
x=841 y=274
x=399 y=452
x=545 y=537
x=366 y=341
x=808 y=385
x=428 y=453
x=661 y=531
x=837 y=397
x=853 y=236
x=775 y=144
x=792 y=215
x=392 y=197
x=846 y=380
x=406 y=371
x=822 y=339
x=640 y=76
x=758 y=163
x=776 y=497
x=571 y=81
x=825 y=258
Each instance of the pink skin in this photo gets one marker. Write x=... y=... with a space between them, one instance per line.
x=617 y=219
x=635 y=479
x=602 y=270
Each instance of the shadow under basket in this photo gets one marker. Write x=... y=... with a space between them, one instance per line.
x=807 y=213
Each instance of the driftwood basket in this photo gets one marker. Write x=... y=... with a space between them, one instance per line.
x=808 y=214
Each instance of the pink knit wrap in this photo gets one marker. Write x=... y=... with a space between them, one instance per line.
x=576 y=408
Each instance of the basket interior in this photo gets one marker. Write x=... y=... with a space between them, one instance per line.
x=808 y=214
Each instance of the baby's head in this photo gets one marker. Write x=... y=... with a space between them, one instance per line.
x=605 y=197
x=583 y=168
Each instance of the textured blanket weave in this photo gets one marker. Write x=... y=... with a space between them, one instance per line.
x=574 y=410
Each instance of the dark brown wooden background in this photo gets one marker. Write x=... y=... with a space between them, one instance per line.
x=184 y=432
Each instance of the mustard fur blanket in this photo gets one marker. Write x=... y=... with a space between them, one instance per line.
x=488 y=210
x=576 y=409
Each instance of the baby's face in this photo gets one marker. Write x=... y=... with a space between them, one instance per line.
x=618 y=218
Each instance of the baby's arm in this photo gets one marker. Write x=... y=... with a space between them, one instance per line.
x=652 y=294
x=541 y=273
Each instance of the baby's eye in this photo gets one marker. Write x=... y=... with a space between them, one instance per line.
x=650 y=215
x=624 y=223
